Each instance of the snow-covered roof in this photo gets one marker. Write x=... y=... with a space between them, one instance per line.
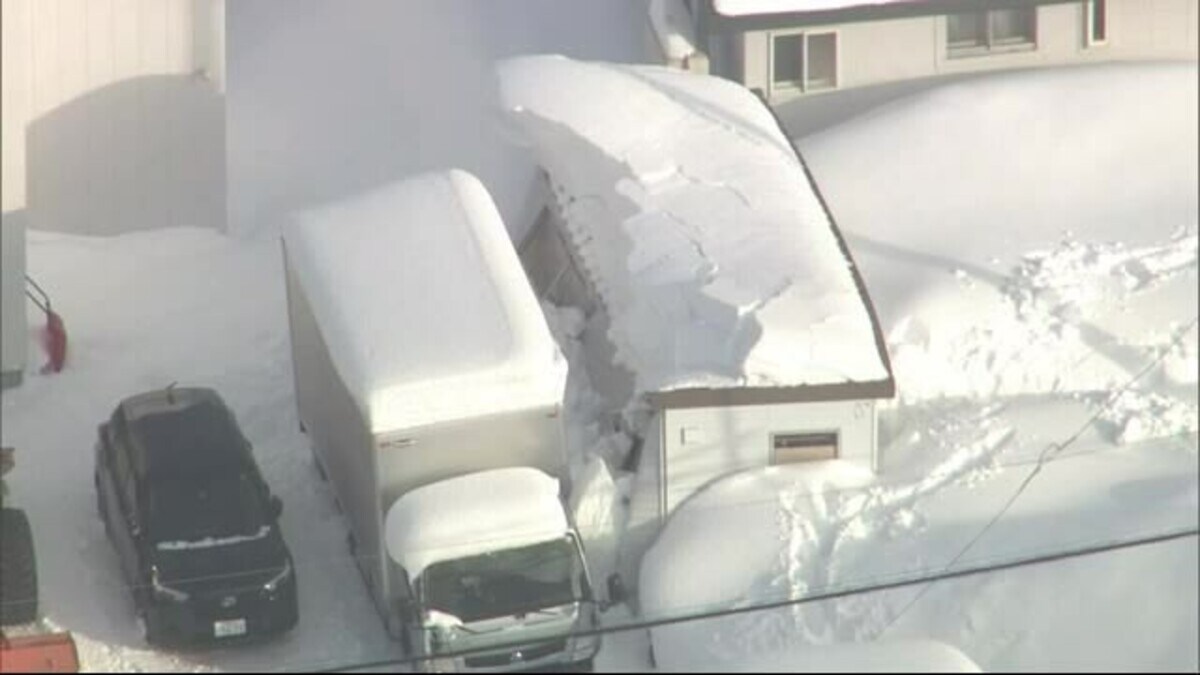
x=754 y=7
x=697 y=226
x=423 y=303
x=473 y=514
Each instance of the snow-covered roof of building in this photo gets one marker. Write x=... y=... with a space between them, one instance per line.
x=473 y=514
x=423 y=303
x=754 y=7
x=698 y=227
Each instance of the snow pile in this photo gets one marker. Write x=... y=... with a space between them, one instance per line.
x=381 y=271
x=1136 y=415
x=715 y=260
x=753 y=7
x=209 y=542
x=802 y=531
x=911 y=656
x=673 y=28
x=1040 y=263
x=473 y=514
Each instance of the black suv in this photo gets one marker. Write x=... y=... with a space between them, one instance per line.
x=193 y=523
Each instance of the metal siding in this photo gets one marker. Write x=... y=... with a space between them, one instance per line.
x=703 y=444
x=340 y=436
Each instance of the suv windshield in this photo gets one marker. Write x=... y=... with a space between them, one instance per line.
x=506 y=583
x=219 y=507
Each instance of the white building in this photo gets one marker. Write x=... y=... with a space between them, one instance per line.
x=790 y=48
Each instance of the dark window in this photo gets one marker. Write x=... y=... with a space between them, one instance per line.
x=806 y=61
x=1098 y=20
x=1011 y=26
x=822 y=61
x=964 y=31
x=789 y=60
x=803 y=447
x=974 y=33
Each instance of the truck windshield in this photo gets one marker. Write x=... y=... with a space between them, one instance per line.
x=506 y=583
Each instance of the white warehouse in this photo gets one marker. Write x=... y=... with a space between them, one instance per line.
x=686 y=226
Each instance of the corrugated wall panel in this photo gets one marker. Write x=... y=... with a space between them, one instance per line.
x=105 y=127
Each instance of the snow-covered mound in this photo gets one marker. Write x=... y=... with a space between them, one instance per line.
x=696 y=225
x=387 y=275
x=1026 y=232
x=911 y=656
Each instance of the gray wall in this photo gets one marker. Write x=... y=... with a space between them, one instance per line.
x=113 y=118
x=328 y=99
x=899 y=49
x=721 y=441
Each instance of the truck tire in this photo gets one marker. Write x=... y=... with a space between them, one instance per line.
x=18 y=569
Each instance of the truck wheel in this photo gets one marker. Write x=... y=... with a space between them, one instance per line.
x=18 y=570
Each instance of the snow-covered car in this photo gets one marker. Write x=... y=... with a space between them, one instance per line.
x=193 y=523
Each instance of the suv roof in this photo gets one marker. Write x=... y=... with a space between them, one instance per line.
x=181 y=432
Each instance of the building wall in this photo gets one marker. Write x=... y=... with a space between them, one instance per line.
x=327 y=100
x=112 y=113
x=14 y=336
x=899 y=49
x=702 y=444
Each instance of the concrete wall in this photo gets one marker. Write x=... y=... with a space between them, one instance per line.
x=901 y=49
x=112 y=113
x=702 y=444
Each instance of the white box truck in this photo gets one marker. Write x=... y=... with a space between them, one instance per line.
x=431 y=391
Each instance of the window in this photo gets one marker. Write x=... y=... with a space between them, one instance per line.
x=803 y=447
x=1096 y=13
x=804 y=61
x=976 y=33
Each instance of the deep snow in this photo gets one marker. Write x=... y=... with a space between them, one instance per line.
x=1019 y=290
x=190 y=305
x=696 y=226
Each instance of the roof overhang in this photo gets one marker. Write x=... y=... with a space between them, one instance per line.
x=717 y=22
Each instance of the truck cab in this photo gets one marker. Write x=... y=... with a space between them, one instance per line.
x=493 y=576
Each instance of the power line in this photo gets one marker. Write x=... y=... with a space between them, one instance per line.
x=944 y=575
x=1049 y=452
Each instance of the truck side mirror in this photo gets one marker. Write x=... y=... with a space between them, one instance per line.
x=616 y=590
x=276 y=506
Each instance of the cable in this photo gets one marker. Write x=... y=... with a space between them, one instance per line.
x=944 y=575
x=1051 y=451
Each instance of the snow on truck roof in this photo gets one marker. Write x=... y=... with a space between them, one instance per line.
x=700 y=230
x=473 y=514
x=423 y=303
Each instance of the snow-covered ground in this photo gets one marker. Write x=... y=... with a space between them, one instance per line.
x=1030 y=243
x=1027 y=259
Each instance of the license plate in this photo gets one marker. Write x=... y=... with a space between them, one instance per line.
x=230 y=628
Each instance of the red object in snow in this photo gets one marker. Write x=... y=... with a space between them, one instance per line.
x=56 y=342
x=54 y=335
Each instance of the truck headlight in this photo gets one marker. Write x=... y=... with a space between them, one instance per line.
x=273 y=585
x=585 y=647
x=165 y=592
